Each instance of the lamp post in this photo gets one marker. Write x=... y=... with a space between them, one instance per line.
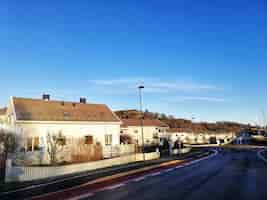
x=141 y=118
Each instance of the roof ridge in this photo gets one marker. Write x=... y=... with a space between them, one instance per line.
x=57 y=101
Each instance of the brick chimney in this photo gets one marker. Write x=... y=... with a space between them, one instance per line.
x=83 y=100
x=46 y=97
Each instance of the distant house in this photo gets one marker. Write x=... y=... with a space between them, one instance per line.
x=153 y=130
x=94 y=123
x=184 y=135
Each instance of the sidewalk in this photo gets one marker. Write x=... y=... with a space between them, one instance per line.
x=34 y=188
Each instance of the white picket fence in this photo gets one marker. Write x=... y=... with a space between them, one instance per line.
x=181 y=151
x=33 y=173
x=118 y=150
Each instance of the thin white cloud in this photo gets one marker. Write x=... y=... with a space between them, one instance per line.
x=155 y=85
x=196 y=98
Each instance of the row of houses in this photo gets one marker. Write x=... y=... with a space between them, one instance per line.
x=95 y=124
x=187 y=136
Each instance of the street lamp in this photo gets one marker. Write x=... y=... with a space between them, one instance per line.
x=141 y=118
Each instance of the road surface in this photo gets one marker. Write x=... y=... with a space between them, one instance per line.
x=230 y=175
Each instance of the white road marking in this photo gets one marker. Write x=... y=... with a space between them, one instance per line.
x=196 y=161
x=261 y=156
x=139 y=179
x=169 y=170
x=114 y=186
x=82 y=196
x=45 y=184
x=155 y=174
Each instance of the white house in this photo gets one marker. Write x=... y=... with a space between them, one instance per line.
x=153 y=130
x=35 y=118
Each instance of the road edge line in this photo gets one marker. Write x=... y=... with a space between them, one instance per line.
x=259 y=153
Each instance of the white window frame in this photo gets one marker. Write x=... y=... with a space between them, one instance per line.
x=108 y=139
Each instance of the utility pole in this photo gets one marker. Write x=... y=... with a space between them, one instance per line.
x=141 y=119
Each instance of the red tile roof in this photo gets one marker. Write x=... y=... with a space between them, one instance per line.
x=146 y=122
x=179 y=130
x=41 y=110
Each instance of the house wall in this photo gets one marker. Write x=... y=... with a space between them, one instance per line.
x=71 y=129
x=2 y=119
x=149 y=133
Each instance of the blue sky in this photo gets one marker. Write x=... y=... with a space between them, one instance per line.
x=206 y=59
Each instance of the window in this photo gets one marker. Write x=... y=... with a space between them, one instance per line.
x=88 y=139
x=108 y=139
x=9 y=119
x=33 y=144
x=29 y=144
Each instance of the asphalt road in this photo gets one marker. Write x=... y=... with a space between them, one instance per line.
x=36 y=188
x=230 y=175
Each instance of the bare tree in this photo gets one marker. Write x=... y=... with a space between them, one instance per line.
x=156 y=115
x=8 y=141
x=55 y=145
x=126 y=139
x=8 y=144
x=163 y=116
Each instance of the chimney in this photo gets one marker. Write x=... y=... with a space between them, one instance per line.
x=83 y=100
x=46 y=97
